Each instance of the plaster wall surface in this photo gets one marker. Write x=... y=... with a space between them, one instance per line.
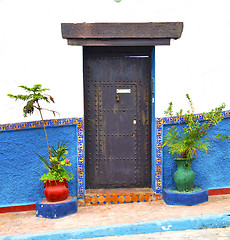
x=21 y=167
x=32 y=51
x=212 y=169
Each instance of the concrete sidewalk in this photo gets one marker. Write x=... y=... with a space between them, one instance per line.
x=132 y=218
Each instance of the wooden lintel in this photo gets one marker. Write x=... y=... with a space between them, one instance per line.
x=118 y=42
x=122 y=30
x=121 y=34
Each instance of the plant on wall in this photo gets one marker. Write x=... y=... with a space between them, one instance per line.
x=189 y=138
x=192 y=137
x=57 y=157
x=32 y=99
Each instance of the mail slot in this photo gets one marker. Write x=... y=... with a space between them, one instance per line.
x=124 y=90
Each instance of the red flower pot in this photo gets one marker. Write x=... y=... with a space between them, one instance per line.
x=55 y=190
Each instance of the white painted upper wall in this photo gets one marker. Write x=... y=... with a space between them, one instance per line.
x=32 y=51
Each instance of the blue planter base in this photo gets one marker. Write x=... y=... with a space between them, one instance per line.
x=58 y=209
x=184 y=199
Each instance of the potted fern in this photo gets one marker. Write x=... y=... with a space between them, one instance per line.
x=186 y=140
x=55 y=180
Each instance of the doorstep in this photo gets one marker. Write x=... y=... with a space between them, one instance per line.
x=117 y=196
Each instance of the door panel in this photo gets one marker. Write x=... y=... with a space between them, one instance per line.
x=117 y=120
x=118 y=144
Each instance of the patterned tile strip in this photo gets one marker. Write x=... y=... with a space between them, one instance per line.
x=38 y=124
x=81 y=160
x=114 y=197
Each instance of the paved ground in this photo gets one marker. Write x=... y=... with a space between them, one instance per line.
x=103 y=215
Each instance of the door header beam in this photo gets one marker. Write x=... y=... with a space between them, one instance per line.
x=121 y=34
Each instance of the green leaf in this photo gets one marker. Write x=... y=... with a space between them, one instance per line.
x=191 y=138
x=43 y=159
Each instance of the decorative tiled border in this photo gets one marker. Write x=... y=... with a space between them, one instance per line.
x=81 y=160
x=159 y=123
x=38 y=124
x=159 y=140
x=118 y=196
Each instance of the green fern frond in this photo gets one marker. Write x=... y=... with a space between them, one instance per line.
x=192 y=137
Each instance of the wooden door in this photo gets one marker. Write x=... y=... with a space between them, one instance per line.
x=117 y=117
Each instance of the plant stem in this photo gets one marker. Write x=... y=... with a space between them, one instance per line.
x=43 y=123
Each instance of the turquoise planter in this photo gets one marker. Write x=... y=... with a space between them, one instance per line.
x=184 y=177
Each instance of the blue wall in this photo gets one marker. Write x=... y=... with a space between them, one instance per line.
x=212 y=169
x=21 y=168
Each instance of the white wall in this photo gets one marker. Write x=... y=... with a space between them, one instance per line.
x=32 y=51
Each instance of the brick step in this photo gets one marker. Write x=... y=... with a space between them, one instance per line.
x=117 y=196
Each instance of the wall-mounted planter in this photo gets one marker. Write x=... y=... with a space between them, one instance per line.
x=185 y=199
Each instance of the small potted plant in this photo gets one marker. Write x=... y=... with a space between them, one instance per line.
x=188 y=139
x=55 y=180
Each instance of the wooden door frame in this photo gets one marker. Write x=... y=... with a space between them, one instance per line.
x=125 y=34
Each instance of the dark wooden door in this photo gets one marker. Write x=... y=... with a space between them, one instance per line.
x=117 y=117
